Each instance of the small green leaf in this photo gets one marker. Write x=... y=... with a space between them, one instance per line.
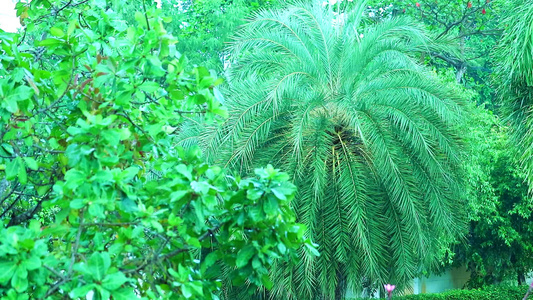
x=31 y=163
x=43 y=189
x=157 y=226
x=57 y=32
x=22 y=176
x=267 y=282
x=210 y=260
x=50 y=42
x=71 y=27
x=312 y=249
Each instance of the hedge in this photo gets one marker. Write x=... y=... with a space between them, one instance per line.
x=489 y=293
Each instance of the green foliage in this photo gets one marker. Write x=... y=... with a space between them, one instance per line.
x=475 y=25
x=498 y=246
x=204 y=27
x=491 y=293
x=515 y=80
x=95 y=195
x=367 y=134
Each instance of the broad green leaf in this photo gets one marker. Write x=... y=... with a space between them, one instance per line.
x=270 y=205
x=10 y=104
x=57 y=32
x=97 y=210
x=197 y=288
x=267 y=282
x=128 y=205
x=149 y=86
x=279 y=194
x=244 y=256
x=7 y=269
x=209 y=260
x=20 y=280
x=186 y=291
x=254 y=194
x=77 y=203
x=104 y=294
x=113 y=281
x=12 y=168
x=98 y=265
x=81 y=291
x=32 y=263
x=123 y=294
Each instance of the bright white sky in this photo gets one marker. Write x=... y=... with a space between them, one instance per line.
x=8 y=16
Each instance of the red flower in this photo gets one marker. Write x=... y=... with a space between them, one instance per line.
x=417 y=4
x=404 y=10
x=483 y=11
x=469 y=5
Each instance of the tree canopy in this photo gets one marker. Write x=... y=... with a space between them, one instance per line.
x=96 y=199
x=267 y=149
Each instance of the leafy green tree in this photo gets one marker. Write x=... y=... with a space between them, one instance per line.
x=95 y=196
x=204 y=27
x=515 y=80
x=498 y=246
x=367 y=134
x=476 y=25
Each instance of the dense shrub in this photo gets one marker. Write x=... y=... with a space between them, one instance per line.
x=491 y=293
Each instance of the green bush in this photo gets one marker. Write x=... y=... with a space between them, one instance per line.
x=490 y=293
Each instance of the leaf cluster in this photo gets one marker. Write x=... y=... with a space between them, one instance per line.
x=97 y=199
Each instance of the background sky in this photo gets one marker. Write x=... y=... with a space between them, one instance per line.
x=8 y=17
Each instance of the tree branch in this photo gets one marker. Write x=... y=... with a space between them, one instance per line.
x=159 y=258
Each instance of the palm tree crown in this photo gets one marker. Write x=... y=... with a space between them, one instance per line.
x=366 y=132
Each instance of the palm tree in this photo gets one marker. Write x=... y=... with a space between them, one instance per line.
x=366 y=132
x=515 y=80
